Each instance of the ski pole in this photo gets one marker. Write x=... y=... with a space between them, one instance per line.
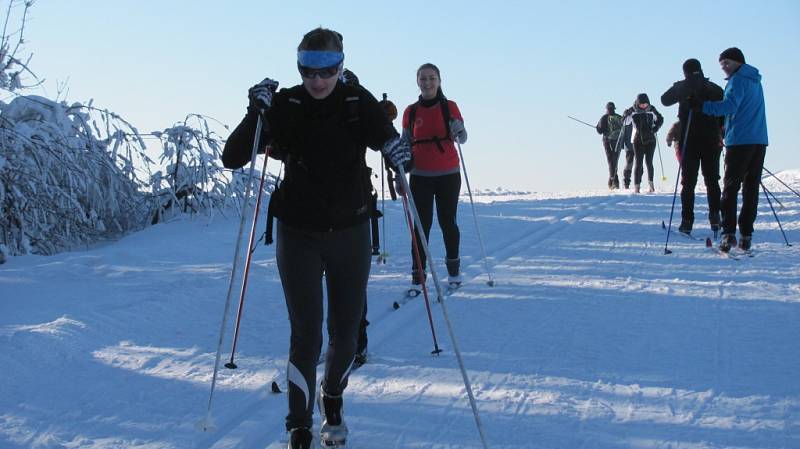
x=781 y=181
x=490 y=282
x=384 y=254
x=410 y=224
x=248 y=260
x=658 y=145
x=677 y=178
x=413 y=209
x=776 y=217
x=581 y=121
x=207 y=424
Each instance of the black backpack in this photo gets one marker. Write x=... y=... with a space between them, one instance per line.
x=412 y=115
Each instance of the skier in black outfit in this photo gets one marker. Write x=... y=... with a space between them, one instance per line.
x=646 y=121
x=320 y=130
x=610 y=126
x=703 y=146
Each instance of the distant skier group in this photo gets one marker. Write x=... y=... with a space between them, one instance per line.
x=698 y=140
x=320 y=130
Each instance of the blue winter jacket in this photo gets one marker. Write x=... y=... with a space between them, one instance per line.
x=743 y=108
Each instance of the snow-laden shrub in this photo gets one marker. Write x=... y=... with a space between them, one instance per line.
x=13 y=70
x=69 y=176
x=194 y=179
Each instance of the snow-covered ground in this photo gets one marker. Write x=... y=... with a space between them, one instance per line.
x=592 y=337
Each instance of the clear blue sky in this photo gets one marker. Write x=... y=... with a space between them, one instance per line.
x=516 y=69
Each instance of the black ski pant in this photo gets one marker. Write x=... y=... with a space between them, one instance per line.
x=343 y=256
x=444 y=190
x=644 y=154
x=704 y=155
x=626 y=172
x=743 y=166
x=612 y=158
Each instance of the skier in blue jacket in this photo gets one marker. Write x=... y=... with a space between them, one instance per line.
x=746 y=144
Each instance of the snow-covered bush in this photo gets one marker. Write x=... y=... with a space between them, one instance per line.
x=194 y=179
x=12 y=68
x=69 y=176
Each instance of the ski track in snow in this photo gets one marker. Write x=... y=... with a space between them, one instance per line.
x=591 y=338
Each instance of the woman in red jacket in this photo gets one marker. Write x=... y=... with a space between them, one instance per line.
x=432 y=124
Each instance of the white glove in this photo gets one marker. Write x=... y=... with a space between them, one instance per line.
x=260 y=95
x=397 y=152
x=458 y=131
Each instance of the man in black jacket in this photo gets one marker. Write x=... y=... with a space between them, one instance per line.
x=702 y=147
x=610 y=126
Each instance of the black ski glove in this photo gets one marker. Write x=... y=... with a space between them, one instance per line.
x=261 y=94
x=397 y=152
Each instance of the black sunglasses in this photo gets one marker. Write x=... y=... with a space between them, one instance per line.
x=324 y=73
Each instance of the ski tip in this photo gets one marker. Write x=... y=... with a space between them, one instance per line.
x=708 y=242
x=275 y=388
x=663 y=225
x=396 y=305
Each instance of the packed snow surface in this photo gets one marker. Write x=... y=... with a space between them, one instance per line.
x=591 y=337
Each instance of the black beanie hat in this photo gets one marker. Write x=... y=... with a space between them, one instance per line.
x=691 y=66
x=610 y=106
x=642 y=98
x=733 y=53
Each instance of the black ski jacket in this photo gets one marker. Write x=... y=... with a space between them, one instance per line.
x=645 y=123
x=704 y=128
x=322 y=144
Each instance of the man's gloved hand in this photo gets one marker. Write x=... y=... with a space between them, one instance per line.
x=458 y=131
x=260 y=95
x=397 y=152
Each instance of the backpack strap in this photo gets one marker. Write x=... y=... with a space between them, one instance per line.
x=412 y=114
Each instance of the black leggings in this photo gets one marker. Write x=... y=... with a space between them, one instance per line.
x=444 y=190
x=612 y=157
x=303 y=256
x=644 y=154
x=703 y=155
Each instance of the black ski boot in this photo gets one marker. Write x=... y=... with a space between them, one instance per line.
x=333 y=430
x=453 y=271
x=417 y=279
x=728 y=241
x=300 y=438
x=685 y=227
x=615 y=184
x=746 y=242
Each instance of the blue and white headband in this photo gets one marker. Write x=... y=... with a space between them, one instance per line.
x=319 y=59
